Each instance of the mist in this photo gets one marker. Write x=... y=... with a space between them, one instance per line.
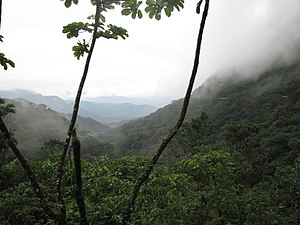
x=241 y=36
x=249 y=37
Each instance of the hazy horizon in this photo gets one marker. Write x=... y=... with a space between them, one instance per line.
x=246 y=37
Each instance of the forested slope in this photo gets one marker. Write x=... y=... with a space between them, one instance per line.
x=237 y=163
x=35 y=127
x=271 y=98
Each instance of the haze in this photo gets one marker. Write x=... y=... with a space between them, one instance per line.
x=241 y=35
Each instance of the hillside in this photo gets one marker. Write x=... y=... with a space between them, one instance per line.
x=226 y=99
x=33 y=125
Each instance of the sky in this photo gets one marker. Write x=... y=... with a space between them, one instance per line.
x=244 y=36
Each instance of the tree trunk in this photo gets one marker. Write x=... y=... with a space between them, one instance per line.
x=75 y=112
x=78 y=179
x=143 y=178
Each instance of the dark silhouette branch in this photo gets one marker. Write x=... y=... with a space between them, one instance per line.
x=75 y=112
x=0 y=13
x=78 y=179
x=35 y=185
x=143 y=178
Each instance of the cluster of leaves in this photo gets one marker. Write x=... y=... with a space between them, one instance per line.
x=4 y=62
x=154 y=8
x=5 y=108
x=68 y=3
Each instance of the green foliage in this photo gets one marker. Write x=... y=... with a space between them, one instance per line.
x=197 y=190
x=52 y=147
x=194 y=133
x=73 y=29
x=155 y=7
x=113 y=32
x=5 y=109
x=68 y=3
x=132 y=7
x=238 y=136
x=4 y=62
x=80 y=49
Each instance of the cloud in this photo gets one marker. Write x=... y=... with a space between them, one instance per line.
x=250 y=36
x=247 y=36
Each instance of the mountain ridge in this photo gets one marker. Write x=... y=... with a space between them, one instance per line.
x=229 y=101
x=102 y=112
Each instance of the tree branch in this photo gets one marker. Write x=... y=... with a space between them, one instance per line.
x=75 y=112
x=0 y=12
x=78 y=179
x=35 y=185
x=143 y=178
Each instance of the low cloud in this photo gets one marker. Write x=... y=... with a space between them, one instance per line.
x=251 y=36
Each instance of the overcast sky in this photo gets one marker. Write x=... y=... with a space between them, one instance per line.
x=240 y=35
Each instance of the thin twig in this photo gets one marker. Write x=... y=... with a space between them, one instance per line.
x=143 y=178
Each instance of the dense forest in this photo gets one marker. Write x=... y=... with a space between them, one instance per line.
x=232 y=158
x=234 y=161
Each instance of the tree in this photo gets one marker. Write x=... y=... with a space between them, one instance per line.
x=192 y=135
x=144 y=176
x=52 y=147
x=5 y=109
x=98 y=29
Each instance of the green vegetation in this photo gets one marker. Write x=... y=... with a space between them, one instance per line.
x=269 y=102
x=235 y=161
x=207 y=188
x=5 y=62
x=243 y=169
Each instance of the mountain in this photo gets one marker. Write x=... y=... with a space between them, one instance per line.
x=109 y=112
x=33 y=125
x=227 y=100
x=156 y=100
x=102 y=112
x=92 y=126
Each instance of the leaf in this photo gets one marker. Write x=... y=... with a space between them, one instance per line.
x=11 y=63
x=80 y=49
x=68 y=3
x=140 y=14
x=133 y=15
x=158 y=16
x=75 y=2
x=167 y=11
x=4 y=61
x=126 y=12
x=132 y=7
x=102 y=18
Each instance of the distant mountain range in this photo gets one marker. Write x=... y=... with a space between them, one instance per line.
x=106 y=113
x=226 y=99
